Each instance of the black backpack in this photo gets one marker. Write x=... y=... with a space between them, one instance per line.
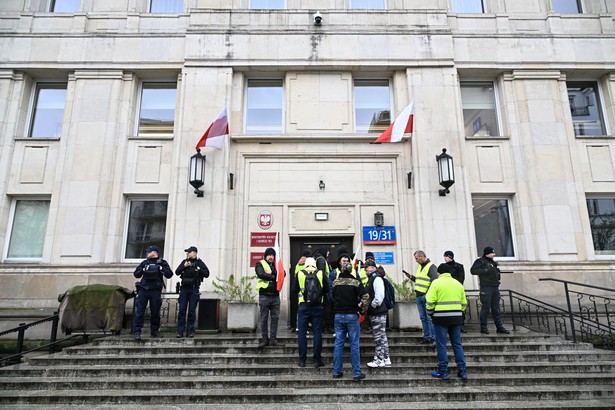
x=312 y=290
x=389 y=294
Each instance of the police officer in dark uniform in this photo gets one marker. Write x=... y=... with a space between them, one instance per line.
x=149 y=289
x=192 y=271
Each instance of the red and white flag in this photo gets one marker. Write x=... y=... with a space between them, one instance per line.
x=214 y=136
x=279 y=265
x=402 y=125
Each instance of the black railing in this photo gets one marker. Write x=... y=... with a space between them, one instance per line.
x=591 y=319
x=21 y=333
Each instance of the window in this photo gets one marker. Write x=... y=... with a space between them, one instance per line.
x=66 y=6
x=157 y=113
x=479 y=109
x=166 y=6
x=27 y=236
x=372 y=106
x=467 y=6
x=584 y=102
x=566 y=6
x=265 y=102
x=493 y=226
x=367 y=4
x=602 y=223
x=267 y=4
x=48 y=110
x=147 y=222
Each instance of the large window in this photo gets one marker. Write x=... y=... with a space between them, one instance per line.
x=166 y=6
x=372 y=106
x=584 y=102
x=602 y=222
x=157 y=113
x=367 y=4
x=265 y=102
x=66 y=6
x=567 y=6
x=493 y=225
x=48 y=110
x=267 y=4
x=147 y=222
x=479 y=108
x=27 y=237
x=467 y=6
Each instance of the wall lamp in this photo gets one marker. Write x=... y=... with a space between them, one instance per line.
x=321 y=185
x=379 y=219
x=446 y=173
x=197 y=173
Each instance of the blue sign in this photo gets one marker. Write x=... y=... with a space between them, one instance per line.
x=384 y=258
x=379 y=235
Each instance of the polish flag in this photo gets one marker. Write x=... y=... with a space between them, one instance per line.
x=279 y=266
x=214 y=136
x=402 y=125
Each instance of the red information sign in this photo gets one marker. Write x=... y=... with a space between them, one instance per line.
x=264 y=239
x=256 y=257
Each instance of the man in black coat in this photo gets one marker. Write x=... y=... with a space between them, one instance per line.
x=192 y=271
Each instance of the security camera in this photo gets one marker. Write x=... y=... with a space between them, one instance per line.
x=317 y=18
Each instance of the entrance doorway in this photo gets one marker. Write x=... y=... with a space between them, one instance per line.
x=297 y=245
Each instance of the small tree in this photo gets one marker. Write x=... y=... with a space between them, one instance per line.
x=233 y=290
x=404 y=291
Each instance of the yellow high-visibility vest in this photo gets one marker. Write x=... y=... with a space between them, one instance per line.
x=422 y=278
x=301 y=278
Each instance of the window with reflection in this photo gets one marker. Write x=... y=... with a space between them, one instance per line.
x=157 y=112
x=372 y=105
x=585 y=108
x=467 y=6
x=65 y=6
x=267 y=4
x=166 y=6
x=27 y=236
x=602 y=223
x=480 y=116
x=493 y=225
x=367 y=4
x=265 y=106
x=147 y=222
x=48 y=110
x=566 y=6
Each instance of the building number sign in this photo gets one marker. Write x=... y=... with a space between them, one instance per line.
x=379 y=235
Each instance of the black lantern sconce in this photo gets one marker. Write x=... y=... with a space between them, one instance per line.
x=379 y=219
x=197 y=173
x=446 y=173
x=321 y=185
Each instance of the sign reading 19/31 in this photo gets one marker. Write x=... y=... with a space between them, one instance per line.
x=379 y=235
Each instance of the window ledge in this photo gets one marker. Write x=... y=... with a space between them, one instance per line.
x=30 y=139
x=594 y=137
x=492 y=138
x=136 y=137
x=294 y=138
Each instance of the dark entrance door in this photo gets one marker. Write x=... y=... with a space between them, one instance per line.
x=297 y=245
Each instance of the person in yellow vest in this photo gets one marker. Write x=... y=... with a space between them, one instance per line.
x=310 y=311
x=268 y=298
x=364 y=278
x=306 y=253
x=425 y=273
x=446 y=302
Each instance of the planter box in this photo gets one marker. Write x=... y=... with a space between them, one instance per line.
x=241 y=317
x=406 y=316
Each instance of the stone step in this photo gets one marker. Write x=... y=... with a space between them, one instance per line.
x=307 y=396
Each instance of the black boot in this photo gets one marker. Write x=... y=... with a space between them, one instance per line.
x=263 y=343
x=275 y=342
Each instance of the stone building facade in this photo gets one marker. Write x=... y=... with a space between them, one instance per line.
x=102 y=103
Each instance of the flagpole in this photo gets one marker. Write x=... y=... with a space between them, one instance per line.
x=225 y=171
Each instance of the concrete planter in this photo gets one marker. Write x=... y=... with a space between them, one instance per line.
x=406 y=316
x=241 y=317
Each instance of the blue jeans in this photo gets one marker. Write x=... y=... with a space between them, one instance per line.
x=155 y=303
x=305 y=315
x=490 y=300
x=347 y=323
x=188 y=298
x=428 y=328
x=454 y=332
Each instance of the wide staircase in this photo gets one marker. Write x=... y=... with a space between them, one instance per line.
x=520 y=370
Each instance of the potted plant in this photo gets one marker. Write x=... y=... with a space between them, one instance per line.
x=405 y=311
x=241 y=302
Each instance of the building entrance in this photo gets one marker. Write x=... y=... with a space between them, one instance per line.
x=297 y=245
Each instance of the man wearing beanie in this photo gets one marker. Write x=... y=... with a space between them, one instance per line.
x=268 y=298
x=321 y=256
x=446 y=301
x=457 y=272
x=489 y=279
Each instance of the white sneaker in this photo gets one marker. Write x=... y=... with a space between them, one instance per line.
x=376 y=363
x=387 y=361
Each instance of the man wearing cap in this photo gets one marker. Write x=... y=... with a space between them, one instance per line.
x=309 y=311
x=149 y=289
x=268 y=298
x=192 y=271
x=457 y=272
x=489 y=279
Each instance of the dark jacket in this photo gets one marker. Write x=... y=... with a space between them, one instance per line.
x=487 y=271
x=193 y=275
x=457 y=271
x=295 y=288
x=321 y=260
x=382 y=309
x=151 y=271
x=349 y=295
x=271 y=289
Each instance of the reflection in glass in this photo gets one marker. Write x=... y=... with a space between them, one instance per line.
x=566 y=6
x=492 y=225
x=479 y=112
x=157 y=115
x=265 y=101
x=166 y=6
x=146 y=226
x=372 y=106
x=28 y=230
x=602 y=222
x=267 y=4
x=367 y=4
x=48 y=111
x=467 y=6
x=585 y=108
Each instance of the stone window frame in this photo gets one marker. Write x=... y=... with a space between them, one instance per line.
x=11 y=227
x=137 y=126
x=599 y=101
x=282 y=108
x=354 y=98
x=594 y=197
x=498 y=109
x=125 y=242
x=37 y=86
x=510 y=201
